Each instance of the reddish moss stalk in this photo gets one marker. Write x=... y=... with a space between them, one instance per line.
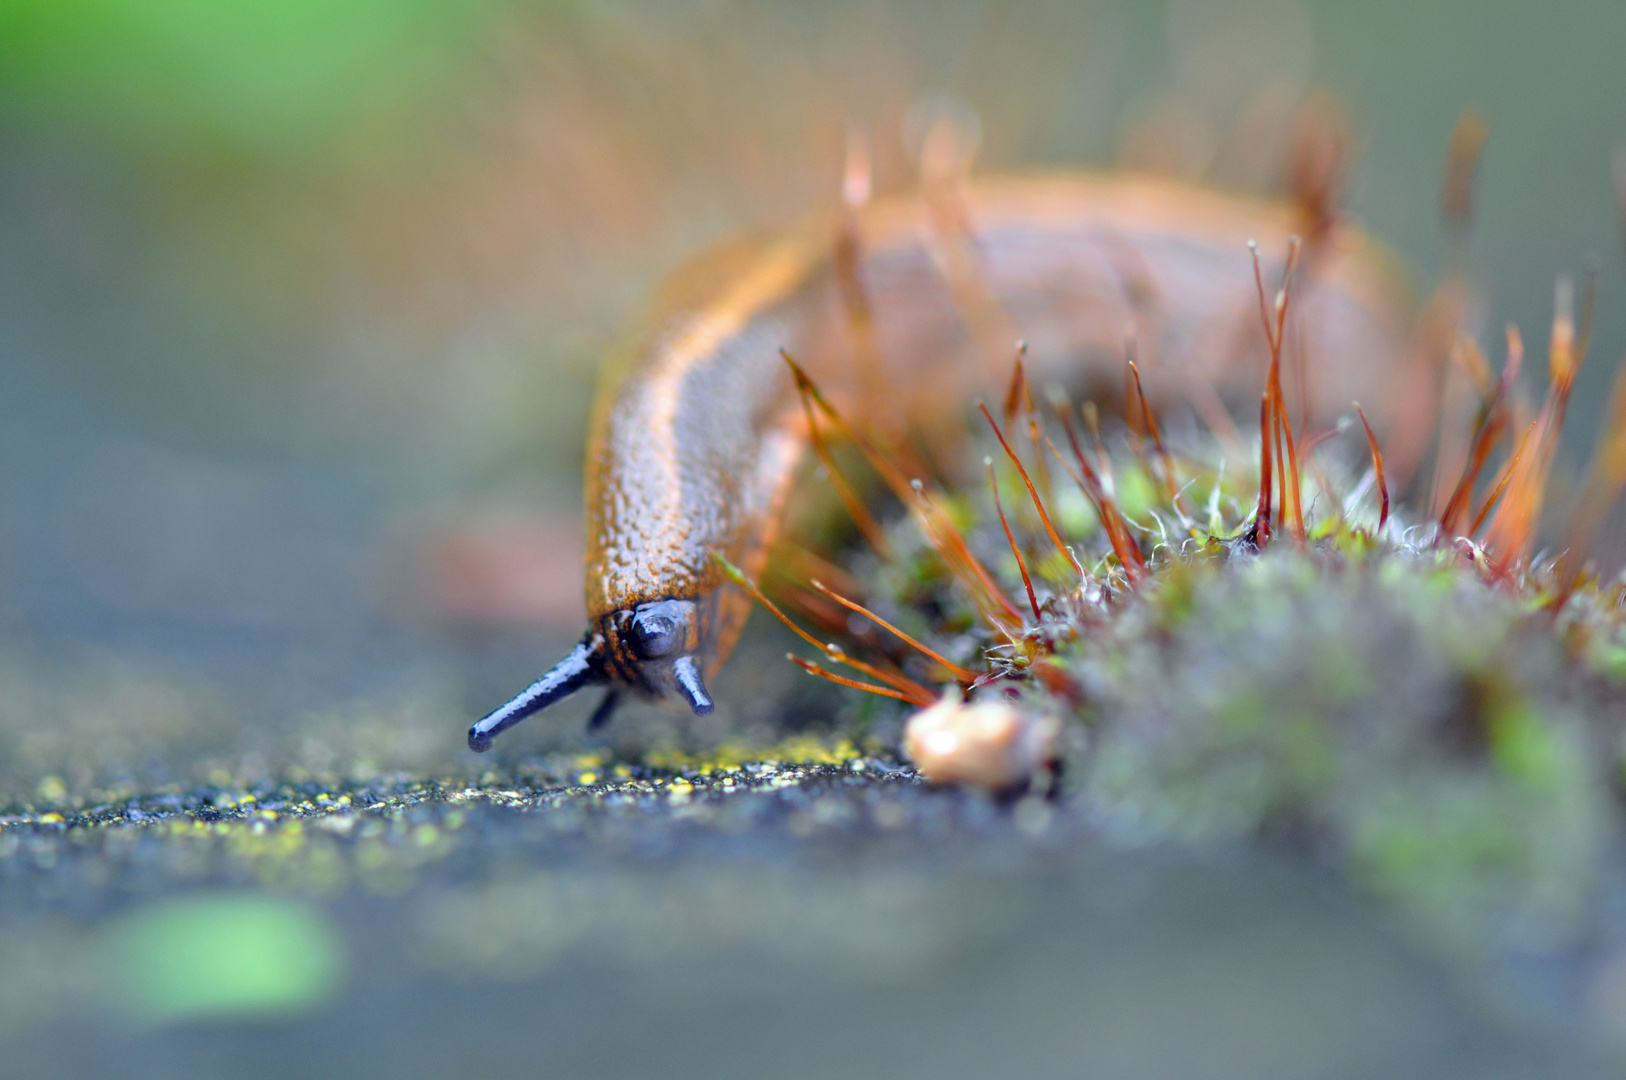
x=1488 y=430
x=1167 y=462
x=1019 y=395
x=1280 y=428
x=1503 y=478
x=1038 y=503
x=1261 y=517
x=907 y=688
x=1021 y=563
x=1377 y=468
x=1106 y=510
x=1513 y=529
x=856 y=509
x=841 y=680
x=964 y=675
x=990 y=601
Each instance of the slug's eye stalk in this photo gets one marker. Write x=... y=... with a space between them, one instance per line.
x=584 y=665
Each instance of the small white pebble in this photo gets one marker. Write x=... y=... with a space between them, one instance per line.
x=990 y=744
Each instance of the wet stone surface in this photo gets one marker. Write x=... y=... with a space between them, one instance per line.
x=765 y=919
x=326 y=839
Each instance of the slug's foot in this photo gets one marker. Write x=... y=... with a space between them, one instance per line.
x=606 y=709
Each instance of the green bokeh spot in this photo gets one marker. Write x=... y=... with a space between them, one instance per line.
x=223 y=956
x=268 y=74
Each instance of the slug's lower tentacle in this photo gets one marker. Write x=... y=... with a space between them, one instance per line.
x=687 y=677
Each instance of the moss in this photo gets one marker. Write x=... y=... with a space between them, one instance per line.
x=731 y=756
x=1440 y=727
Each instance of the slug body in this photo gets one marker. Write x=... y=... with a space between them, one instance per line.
x=902 y=309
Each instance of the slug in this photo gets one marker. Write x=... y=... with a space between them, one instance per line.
x=902 y=308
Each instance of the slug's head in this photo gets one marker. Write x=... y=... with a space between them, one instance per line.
x=652 y=649
x=655 y=649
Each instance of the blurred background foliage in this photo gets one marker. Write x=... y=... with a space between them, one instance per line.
x=333 y=171
x=301 y=303
x=270 y=78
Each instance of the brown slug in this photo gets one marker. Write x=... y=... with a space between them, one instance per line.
x=906 y=307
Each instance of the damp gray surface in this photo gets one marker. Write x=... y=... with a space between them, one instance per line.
x=758 y=921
